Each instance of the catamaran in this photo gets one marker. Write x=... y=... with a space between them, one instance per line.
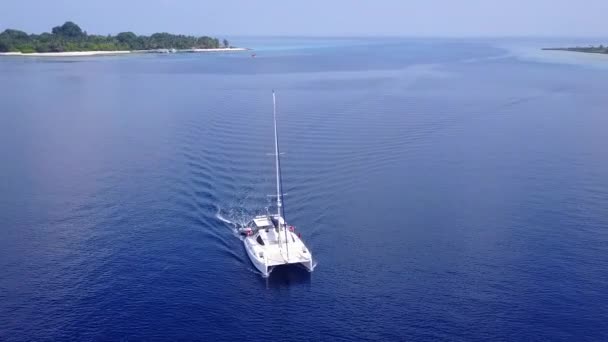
x=269 y=240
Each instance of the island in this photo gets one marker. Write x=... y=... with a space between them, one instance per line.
x=586 y=49
x=70 y=40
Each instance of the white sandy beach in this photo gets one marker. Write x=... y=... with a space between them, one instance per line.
x=216 y=50
x=106 y=53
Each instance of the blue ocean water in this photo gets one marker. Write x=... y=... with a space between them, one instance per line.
x=448 y=189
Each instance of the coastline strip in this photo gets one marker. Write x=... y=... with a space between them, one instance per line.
x=110 y=53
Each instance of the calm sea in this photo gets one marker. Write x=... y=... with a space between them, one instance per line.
x=448 y=189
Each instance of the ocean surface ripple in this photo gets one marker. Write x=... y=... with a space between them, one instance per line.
x=452 y=193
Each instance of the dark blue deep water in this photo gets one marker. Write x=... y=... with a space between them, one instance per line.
x=449 y=190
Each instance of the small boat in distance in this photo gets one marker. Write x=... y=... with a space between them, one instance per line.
x=269 y=240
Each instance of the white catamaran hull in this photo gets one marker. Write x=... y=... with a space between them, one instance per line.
x=265 y=257
x=257 y=261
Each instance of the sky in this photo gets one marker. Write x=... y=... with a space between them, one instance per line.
x=443 y=18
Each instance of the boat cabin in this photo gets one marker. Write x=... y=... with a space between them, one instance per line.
x=263 y=222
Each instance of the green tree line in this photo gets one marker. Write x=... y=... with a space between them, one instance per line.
x=70 y=37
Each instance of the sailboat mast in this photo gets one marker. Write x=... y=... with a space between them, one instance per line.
x=277 y=159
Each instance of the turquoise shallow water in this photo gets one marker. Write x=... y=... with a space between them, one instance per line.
x=448 y=189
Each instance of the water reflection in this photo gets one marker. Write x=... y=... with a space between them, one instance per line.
x=287 y=276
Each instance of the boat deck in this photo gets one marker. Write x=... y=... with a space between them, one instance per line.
x=276 y=256
x=278 y=253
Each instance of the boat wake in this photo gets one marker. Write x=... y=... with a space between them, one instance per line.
x=219 y=216
x=235 y=217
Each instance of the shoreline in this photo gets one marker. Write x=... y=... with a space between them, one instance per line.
x=114 y=53
x=215 y=50
x=593 y=50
